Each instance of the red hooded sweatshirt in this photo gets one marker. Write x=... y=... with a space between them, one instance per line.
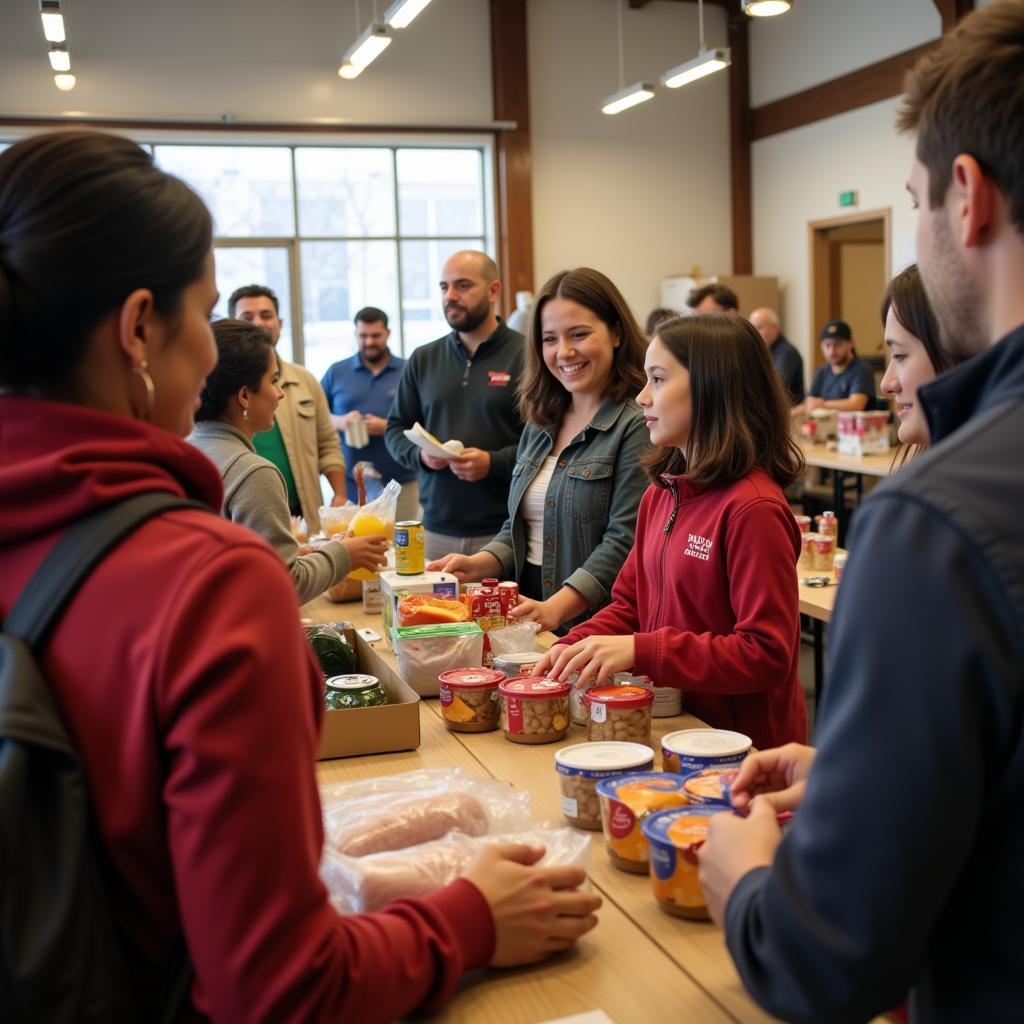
x=193 y=699
x=710 y=592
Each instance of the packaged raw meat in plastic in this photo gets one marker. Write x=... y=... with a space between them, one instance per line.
x=398 y=811
x=359 y=885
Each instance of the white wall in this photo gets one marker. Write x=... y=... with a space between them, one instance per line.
x=798 y=175
x=641 y=195
x=254 y=59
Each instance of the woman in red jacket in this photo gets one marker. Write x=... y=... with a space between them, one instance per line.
x=179 y=666
x=707 y=599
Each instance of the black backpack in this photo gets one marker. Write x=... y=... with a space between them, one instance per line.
x=60 y=959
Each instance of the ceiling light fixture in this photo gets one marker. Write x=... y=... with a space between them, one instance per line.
x=53 y=21
x=766 y=8
x=707 y=61
x=369 y=45
x=627 y=96
x=64 y=82
x=401 y=13
x=60 y=59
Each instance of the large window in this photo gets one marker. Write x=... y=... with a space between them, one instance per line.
x=332 y=229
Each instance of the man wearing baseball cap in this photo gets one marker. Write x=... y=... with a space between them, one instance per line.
x=845 y=383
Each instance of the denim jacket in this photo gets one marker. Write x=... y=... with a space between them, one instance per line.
x=591 y=504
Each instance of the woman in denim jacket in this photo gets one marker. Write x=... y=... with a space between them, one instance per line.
x=578 y=477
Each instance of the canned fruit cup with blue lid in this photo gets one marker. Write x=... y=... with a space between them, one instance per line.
x=469 y=698
x=673 y=837
x=625 y=801
x=620 y=713
x=689 y=750
x=709 y=786
x=581 y=767
x=534 y=709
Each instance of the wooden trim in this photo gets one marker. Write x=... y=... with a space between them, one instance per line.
x=879 y=81
x=822 y=267
x=513 y=158
x=739 y=146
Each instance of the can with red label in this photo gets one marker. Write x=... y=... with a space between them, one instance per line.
x=509 y=594
x=534 y=709
x=625 y=801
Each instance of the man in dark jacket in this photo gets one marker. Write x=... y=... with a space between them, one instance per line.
x=462 y=387
x=902 y=870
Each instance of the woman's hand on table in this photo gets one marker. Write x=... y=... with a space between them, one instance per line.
x=735 y=846
x=777 y=776
x=536 y=911
x=595 y=658
x=367 y=552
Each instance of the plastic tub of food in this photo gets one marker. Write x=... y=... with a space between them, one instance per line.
x=469 y=699
x=804 y=522
x=709 y=786
x=624 y=802
x=534 y=709
x=691 y=749
x=581 y=767
x=816 y=552
x=620 y=713
x=839 y=564
x=519 y=663
x=673 y=838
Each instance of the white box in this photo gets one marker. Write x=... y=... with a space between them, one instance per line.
x=393 y=586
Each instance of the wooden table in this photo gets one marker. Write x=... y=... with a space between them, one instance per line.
x=841 y=466
x=816 y=602
x=638 y=965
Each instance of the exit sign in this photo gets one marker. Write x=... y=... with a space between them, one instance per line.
x=847 y=198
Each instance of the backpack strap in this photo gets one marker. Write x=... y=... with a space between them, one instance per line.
x=75 y=555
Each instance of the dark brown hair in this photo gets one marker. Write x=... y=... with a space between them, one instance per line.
x=967 y=96
x=252 y=291
x=723 y=295
x=243 y=355
x=542 y=399
x=906 y=297
x=85 y=219
x=656 y=316
x=739 y=412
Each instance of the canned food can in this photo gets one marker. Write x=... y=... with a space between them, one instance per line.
x=409 y=547
x=509 y=594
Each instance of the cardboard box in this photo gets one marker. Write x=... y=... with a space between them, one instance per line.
x=392 y=726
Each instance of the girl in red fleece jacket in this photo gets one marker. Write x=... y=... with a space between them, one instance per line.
x=707 y=599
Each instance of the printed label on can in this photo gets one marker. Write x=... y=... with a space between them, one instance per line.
x=620 y=819
x=445 y=693
x=663 y=861
x=514 y=707
x=598 y=711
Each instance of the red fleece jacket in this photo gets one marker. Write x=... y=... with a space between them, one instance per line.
x=186 y=683
x=710 y=592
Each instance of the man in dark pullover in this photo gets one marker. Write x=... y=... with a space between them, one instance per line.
x=902 y=871
x=463 y=387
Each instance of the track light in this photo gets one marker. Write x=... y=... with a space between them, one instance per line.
x=53 y=21
x=367 y=48
x=60 y=59
x=766 y=8
x=628 y=97
x=706 y=62
x=401 y=13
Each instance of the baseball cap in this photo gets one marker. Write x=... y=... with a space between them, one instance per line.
x=836 y=329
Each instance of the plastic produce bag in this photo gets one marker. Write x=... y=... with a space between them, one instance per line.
x=518 y=639
x=359 y=885
x=335 y=522
x=424 y=652
x=376 y=517
x=393 y=812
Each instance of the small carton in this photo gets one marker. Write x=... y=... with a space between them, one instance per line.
x=378 y=730
x=394 y=587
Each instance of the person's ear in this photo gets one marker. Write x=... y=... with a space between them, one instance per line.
x=972 y=197
x=138 y=327
x=493 y=291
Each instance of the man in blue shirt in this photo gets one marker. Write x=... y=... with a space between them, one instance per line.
x=361 y=389
x=845 y=383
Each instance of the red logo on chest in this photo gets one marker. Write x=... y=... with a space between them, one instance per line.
x=498 y=378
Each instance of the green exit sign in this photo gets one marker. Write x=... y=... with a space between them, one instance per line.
x=847 y=198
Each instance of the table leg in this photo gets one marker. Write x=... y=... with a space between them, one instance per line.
x=817 y=627
x=839 y=503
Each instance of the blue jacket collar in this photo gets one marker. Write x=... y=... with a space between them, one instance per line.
x=986 y=380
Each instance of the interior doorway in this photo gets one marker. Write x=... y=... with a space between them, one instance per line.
x=850 y=268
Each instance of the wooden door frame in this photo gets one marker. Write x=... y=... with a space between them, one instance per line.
x=819 y=247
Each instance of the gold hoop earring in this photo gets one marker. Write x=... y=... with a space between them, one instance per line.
x=142 y=373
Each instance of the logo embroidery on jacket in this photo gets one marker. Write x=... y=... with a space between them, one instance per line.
x=698 y=547
x=498 y=378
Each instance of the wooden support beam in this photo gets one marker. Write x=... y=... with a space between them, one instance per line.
x=510 y=77
x=879 y=81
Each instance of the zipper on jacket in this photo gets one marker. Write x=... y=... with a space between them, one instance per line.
x=465 y=376
x=666 y=530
